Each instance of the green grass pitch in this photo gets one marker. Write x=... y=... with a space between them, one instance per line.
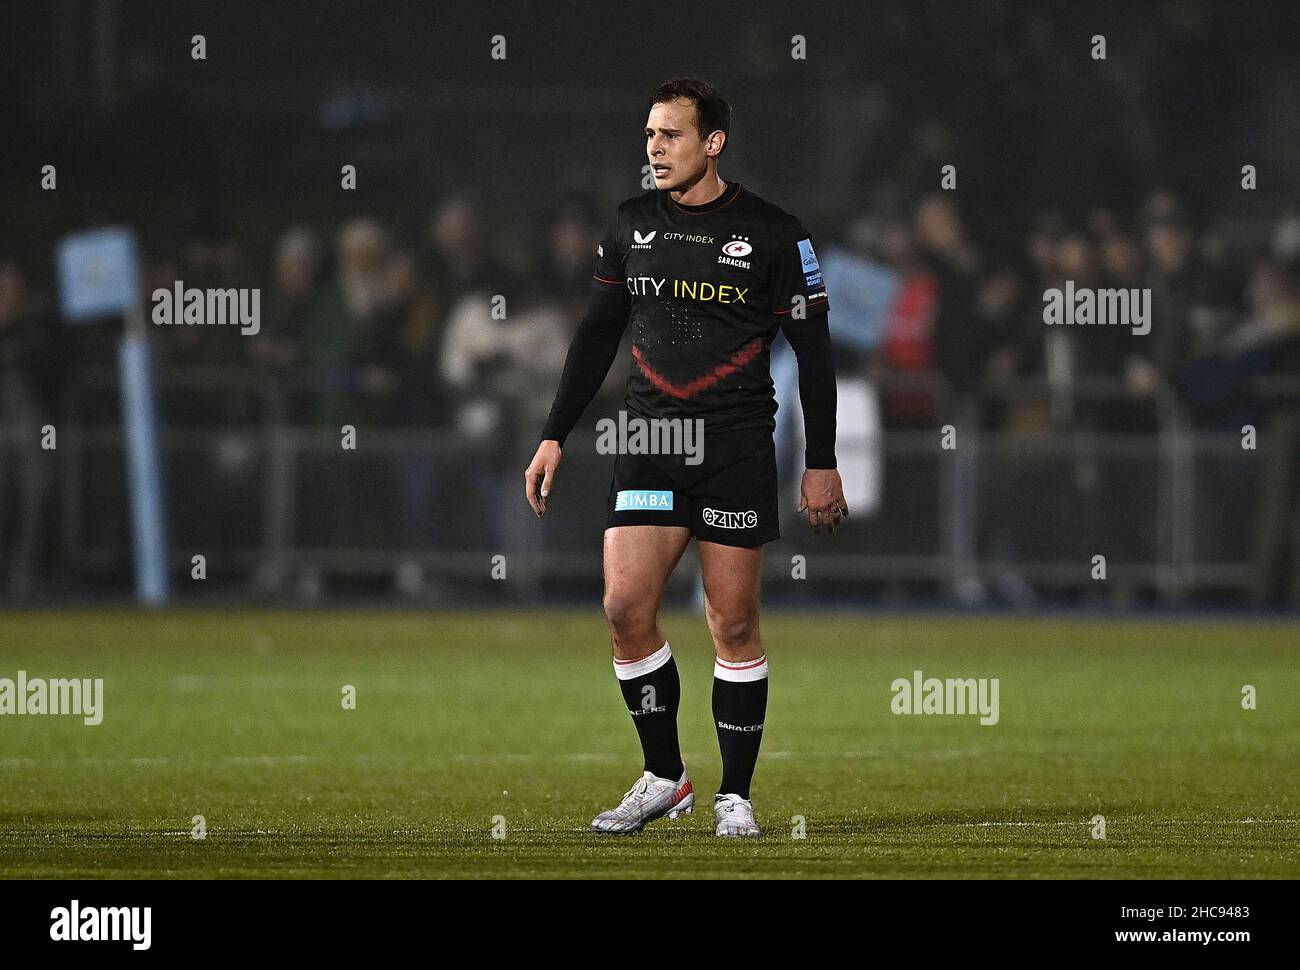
x=461 y=718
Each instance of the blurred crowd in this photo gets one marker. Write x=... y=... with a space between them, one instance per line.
x=915 y=291
x=363 y=326
x=444 y=331
x=950 y=330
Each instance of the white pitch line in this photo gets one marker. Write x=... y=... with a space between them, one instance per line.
x=1174 y=821
x=266 y=760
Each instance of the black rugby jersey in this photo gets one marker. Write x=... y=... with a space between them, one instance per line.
x=710 y=285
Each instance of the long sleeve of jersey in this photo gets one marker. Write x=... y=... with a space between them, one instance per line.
x=811 y=341
x=591 y=353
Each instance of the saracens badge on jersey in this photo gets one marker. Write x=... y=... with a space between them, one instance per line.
x=732 y=251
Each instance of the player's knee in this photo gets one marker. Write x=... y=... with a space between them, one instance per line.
x=628 y=615
x=733 y=630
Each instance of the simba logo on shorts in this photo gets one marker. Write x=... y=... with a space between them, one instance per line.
x=641 y=499
x=730 y=520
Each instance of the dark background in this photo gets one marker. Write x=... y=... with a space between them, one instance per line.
x=1067 y=168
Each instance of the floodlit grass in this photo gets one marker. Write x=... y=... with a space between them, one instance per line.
x=464 y=717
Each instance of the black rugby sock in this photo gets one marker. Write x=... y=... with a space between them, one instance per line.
x=739 y=708
x=653 y=692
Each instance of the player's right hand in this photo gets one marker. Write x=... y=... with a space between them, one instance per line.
x=541 y=474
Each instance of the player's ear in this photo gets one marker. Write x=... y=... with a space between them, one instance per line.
x=713 y=145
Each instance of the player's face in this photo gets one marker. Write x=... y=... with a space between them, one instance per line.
x=678 y=156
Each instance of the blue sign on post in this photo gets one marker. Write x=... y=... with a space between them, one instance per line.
x=99 y=277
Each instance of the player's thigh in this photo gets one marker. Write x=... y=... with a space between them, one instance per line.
x=638 y=561
x=732 y=583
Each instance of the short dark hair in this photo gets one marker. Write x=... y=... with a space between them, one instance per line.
x=712 y=110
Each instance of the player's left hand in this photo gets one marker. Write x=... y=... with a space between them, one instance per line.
x=822 y=497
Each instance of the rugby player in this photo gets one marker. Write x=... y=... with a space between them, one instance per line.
x=706 y=271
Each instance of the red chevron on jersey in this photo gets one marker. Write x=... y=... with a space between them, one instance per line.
x=738 y=360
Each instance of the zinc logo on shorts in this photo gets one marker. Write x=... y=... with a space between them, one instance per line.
x=730 y=520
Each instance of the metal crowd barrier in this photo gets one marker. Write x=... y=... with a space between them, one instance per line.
x=929 y=529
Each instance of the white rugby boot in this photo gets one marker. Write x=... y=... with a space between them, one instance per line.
x=650 y=798
x=735 y=817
